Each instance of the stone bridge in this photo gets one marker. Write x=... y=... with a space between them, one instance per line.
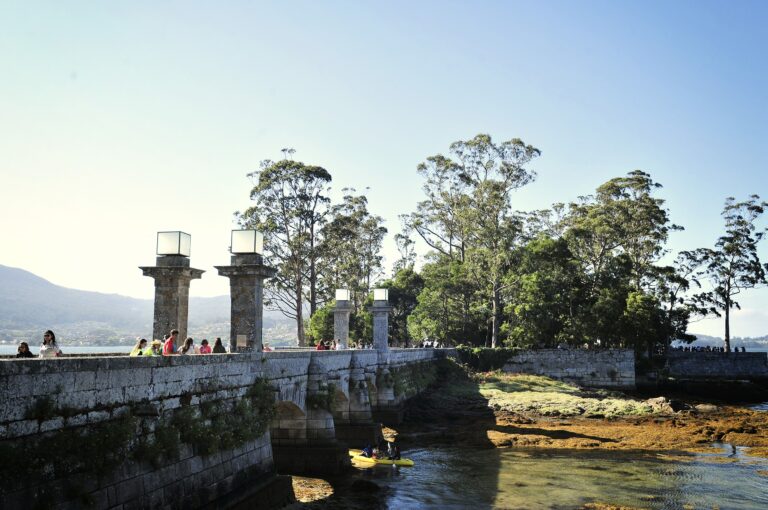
x=189 y=431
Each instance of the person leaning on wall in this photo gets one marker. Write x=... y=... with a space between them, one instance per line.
x=23 y=351
x=49 y=349
x=218 y=347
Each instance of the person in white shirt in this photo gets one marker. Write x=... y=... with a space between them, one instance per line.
x=49 y=349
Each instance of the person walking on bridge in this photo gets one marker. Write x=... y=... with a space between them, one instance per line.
x=169 y=347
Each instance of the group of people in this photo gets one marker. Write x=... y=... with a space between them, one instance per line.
x=48 y=349
x=328 y=345
x=168 y=347
x=706 y=348
x=383 y=450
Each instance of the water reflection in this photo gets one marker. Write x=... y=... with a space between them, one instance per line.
x=452 y=478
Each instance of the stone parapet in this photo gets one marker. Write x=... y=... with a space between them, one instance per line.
x=717 y=365
x=50 y=398
x=609 y=368
x=128 y=400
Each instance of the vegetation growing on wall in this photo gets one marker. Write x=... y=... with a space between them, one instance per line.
x=324 y=398
x=98 y=449
x=95 y=450
x=483 y=359
x=409 y=380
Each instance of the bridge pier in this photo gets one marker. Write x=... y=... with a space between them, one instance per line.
x=314 y=449
x=359 y=429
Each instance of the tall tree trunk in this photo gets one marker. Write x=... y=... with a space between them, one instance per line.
x=496 y=316
x=300 y=324
x=312 y=287
x=299 y=314
x=727 y=325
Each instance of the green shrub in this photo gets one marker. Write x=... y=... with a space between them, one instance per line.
x=483 y=359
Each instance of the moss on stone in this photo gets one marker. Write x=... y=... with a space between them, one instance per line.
x=98 y=449
x=324 y=398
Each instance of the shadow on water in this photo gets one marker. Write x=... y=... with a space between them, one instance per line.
x=432 y=435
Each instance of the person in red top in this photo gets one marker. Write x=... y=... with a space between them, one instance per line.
x=204 y=347
x=320 y=346
x=169 y=347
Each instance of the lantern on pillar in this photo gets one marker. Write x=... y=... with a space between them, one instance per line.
x=246 y=274
x=341 y=318
x=174 y=243
x=247 y=241
x=380 y=311
x=172 y=275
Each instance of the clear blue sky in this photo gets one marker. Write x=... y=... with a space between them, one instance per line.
x=119 y=119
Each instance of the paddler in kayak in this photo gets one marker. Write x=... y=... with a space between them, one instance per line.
x=367 y=451
x=393 y=451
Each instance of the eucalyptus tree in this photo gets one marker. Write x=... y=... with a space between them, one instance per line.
x=291 y=202
x=733 y=265
x=622 y=217
x=351 y=247
x=468 y=214
x=406 y=248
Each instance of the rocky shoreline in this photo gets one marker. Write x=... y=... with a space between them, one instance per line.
x=497 y=410
x=506 y=410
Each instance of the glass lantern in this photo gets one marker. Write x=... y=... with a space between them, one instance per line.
x=247 y=241
x=381 y=294
x=342 y=294
x=174 y=243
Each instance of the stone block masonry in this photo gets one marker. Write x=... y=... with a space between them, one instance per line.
x=108 y=433
x=611 y=368
x=717 y=365
x=187 y=431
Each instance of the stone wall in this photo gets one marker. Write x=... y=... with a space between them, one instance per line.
x=717 y=365
x=191 y=431
x=108 y=434
x=612 y=368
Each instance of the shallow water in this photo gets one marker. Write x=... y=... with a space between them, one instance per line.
x=452 y=478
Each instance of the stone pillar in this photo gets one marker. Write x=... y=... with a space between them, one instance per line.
x=172 y=276
x=246 y=283
x=341 y=322
x=380 y=310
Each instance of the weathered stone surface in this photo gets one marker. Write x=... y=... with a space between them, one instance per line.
x=717 y=365
x=610 y=368
x=341 y=323
x=380 y=311
x=172 y=276
x=79 y=392
x=246 y=283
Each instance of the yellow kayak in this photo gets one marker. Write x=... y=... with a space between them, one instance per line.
x=358 y=455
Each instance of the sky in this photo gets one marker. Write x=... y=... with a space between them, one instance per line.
x=121 y=119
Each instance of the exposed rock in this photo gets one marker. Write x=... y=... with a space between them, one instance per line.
x=665 y=405
x=706 y=408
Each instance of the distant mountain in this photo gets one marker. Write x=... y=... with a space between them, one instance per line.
x=716 y=341
x=30 y=303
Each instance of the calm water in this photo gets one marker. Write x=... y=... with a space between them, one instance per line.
x=451 y=478
x=70 y=349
